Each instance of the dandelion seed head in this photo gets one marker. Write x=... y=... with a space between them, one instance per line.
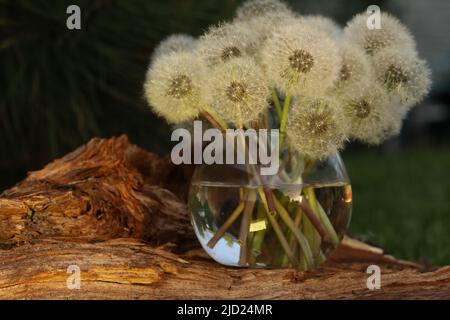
x=174 y=43
x=230 y=52
x=376 y=42
x=179 y=86
x=370 y=115
x=403 y=75
x=238 y=91
x=362 y=109
x=173 y=86
x=393 y=34
x=227 y=41
x=301 y=59
x=395 y=76
x=355 y=71
x=316 y=127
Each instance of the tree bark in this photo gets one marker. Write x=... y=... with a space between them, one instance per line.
x=118 y=213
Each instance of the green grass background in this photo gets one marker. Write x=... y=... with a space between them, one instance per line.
x=402 y=202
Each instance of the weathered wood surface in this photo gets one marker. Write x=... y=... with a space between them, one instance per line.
x=119 y=213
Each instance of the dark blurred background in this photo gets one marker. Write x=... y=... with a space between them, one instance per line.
x=60 y=87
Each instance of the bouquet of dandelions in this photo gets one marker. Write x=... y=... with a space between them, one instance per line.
x=319 y=85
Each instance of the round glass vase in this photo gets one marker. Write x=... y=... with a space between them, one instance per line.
x=294 y=218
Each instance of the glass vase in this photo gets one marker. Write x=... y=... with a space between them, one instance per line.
x=294 y=218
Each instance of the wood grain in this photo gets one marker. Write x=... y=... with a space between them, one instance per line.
x=119 y=214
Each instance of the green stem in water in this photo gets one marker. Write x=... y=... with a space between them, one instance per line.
x=312 y=236
x=258 y=237
x=312 y=217
x=278 y=231
x=320 y=212
x=276 y=227
x=291 y=237
x=236 y=213
x=245 y=225
x=328 y=226
x=304 y=245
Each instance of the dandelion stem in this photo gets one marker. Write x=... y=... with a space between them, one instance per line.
x=263 y=198
x=283 y=120
x=291 y=237
x=214 y=120
x=312 y=218
x=245 y=225
x=258 y=237
x=276 y=102
x=333 y=237
x=276 y=227
x=304 y=245
x=236 y=213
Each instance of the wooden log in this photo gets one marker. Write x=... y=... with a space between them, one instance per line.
x=104 y=190
x=130 y=269
x=118 y=213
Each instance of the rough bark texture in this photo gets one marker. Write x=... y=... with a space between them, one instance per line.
x=107 y=189
x=119 y=213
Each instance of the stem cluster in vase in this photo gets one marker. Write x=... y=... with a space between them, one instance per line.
x=307 y=209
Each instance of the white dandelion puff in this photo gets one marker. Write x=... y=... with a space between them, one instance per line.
x=403 y=75
x=394 y=126
x=356 y=83
x=324 y=24
x=263 y=17
x=263 y=27
x=173 y=87
x=316 y=127
x=301 y=60
x=393 y=34
x=355 y=72
x=237 y=91
x=258 y=8
x=370 y=115
x=225 y=42
x=174 y=43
